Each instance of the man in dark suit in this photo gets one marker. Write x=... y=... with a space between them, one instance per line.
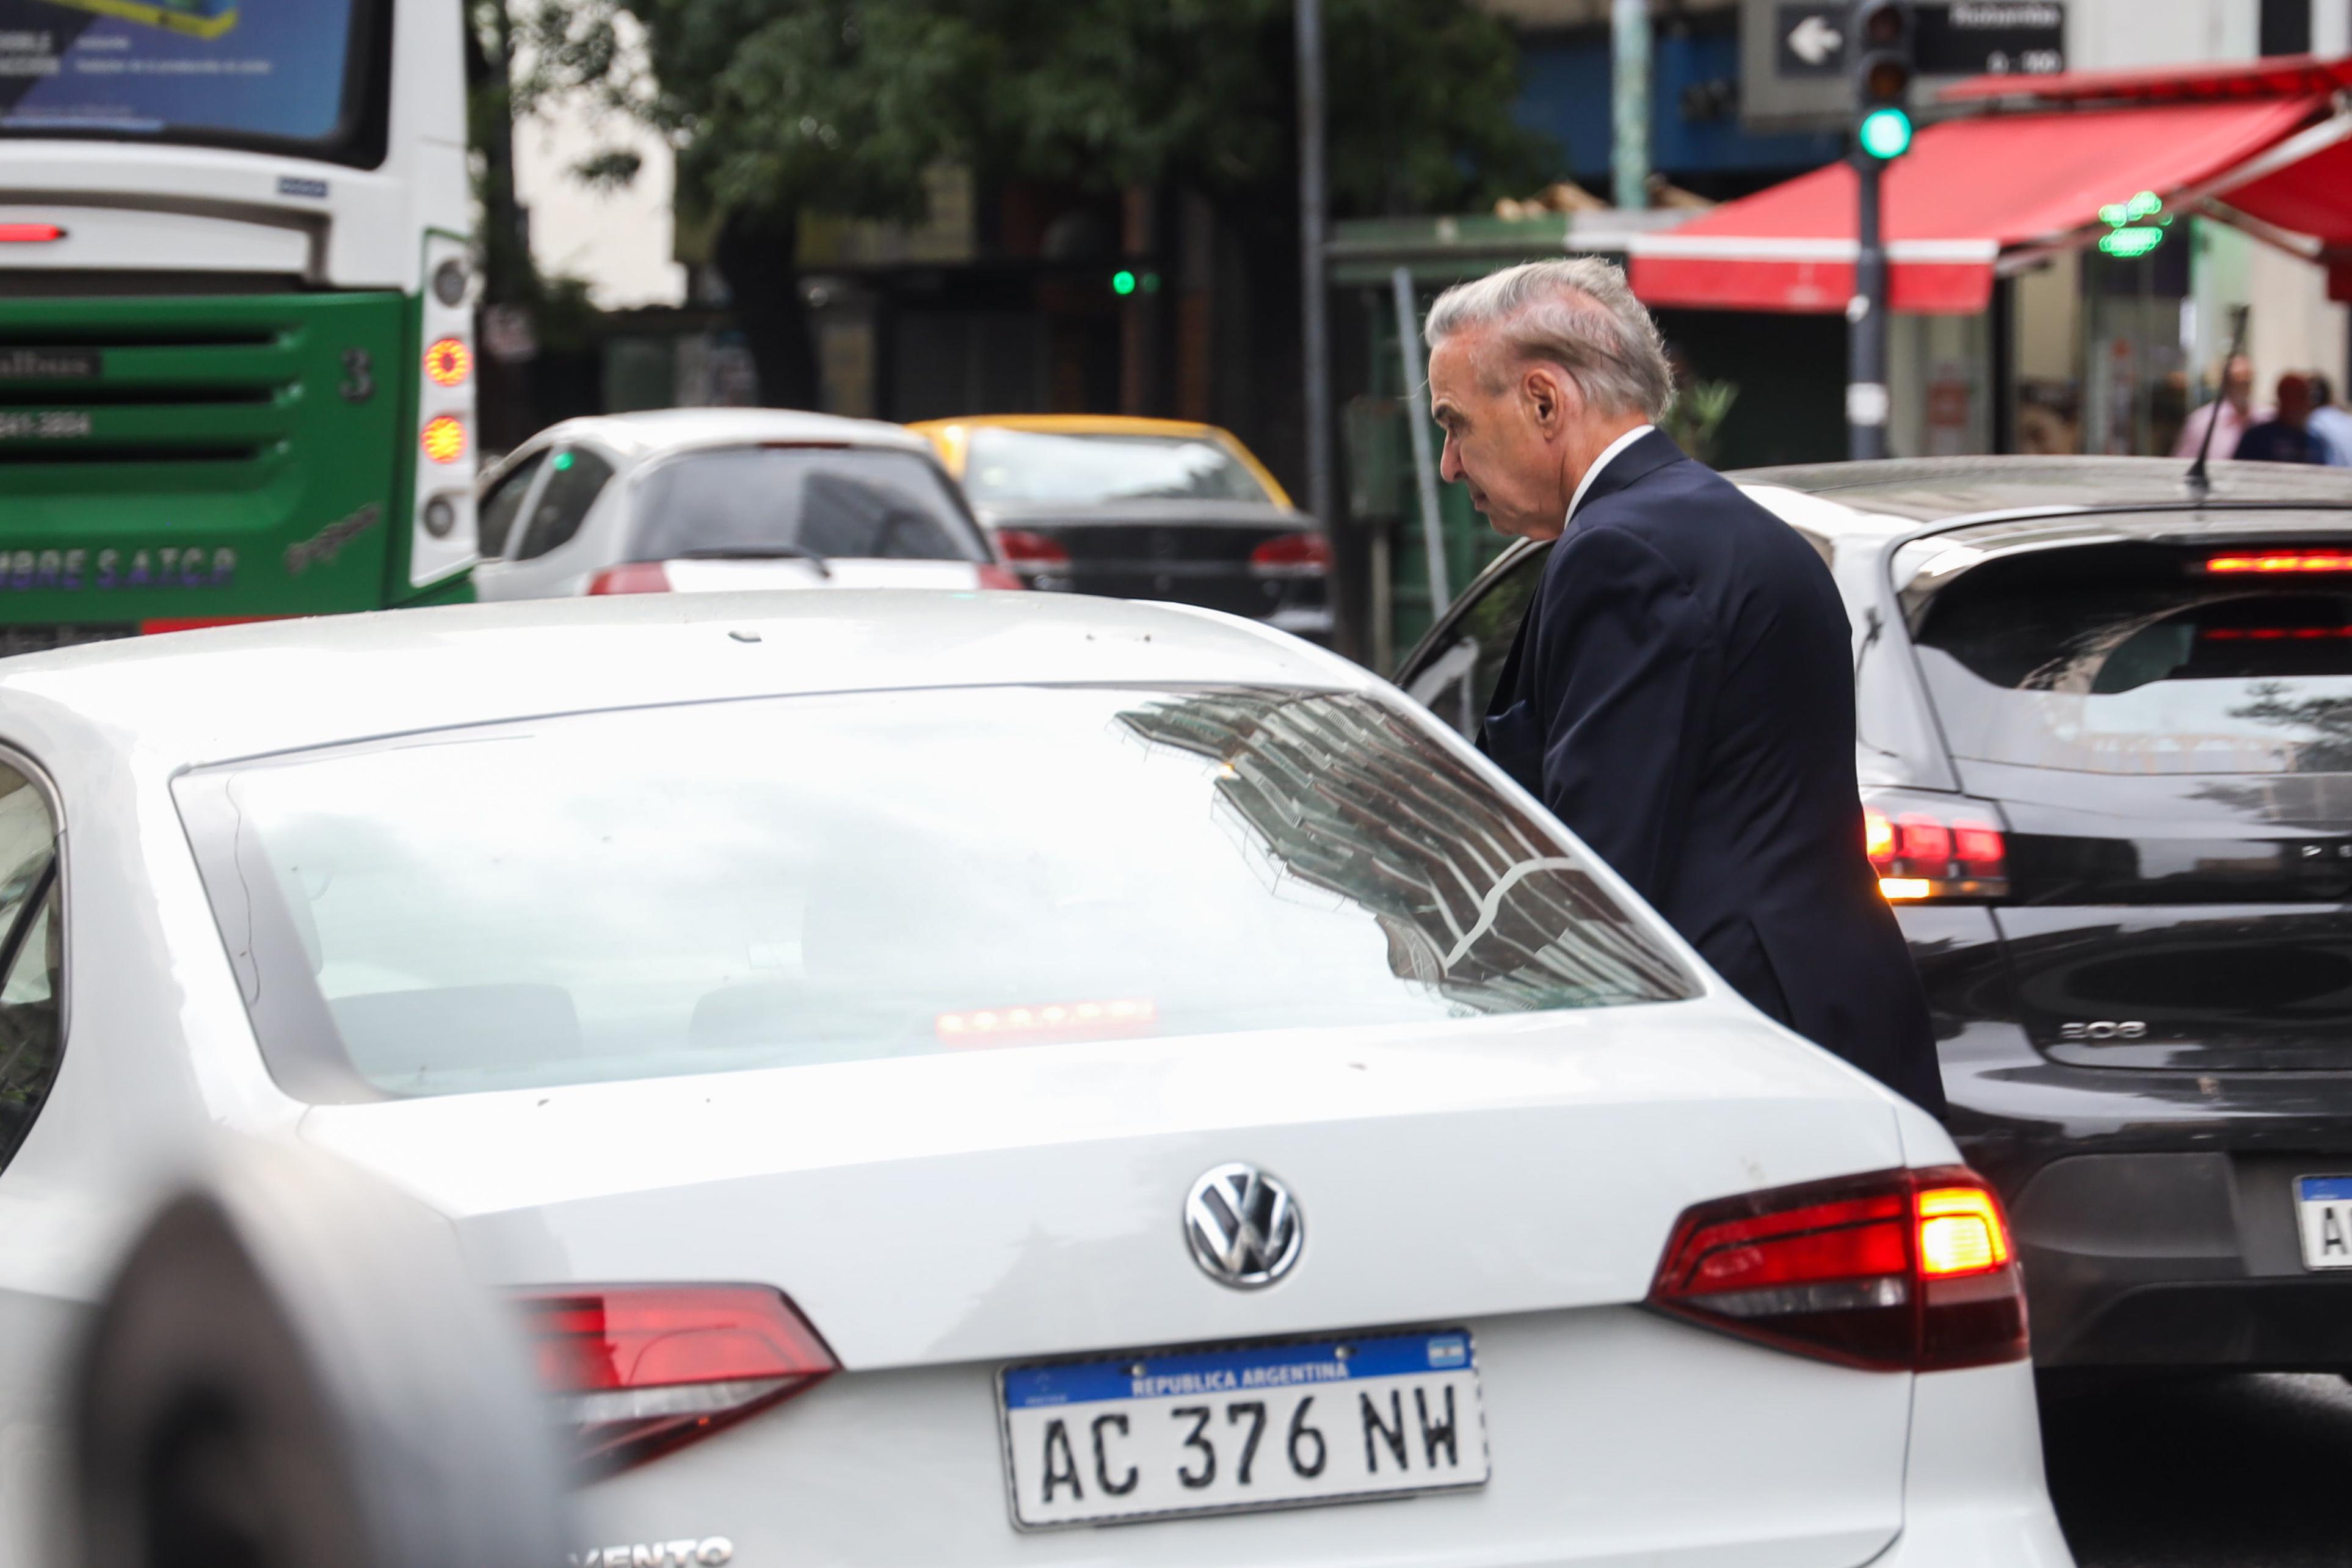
x=1680 y=693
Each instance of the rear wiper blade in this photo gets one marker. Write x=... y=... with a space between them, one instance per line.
x=756 y=553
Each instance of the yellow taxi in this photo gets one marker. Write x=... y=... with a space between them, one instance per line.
x=1139 y=508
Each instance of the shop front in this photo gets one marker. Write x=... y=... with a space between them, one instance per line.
x=2062 y=251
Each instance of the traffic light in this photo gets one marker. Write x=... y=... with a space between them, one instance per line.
x=1885 y=63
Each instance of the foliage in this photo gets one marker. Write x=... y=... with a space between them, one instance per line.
x=1698 y=415
x=842 y=106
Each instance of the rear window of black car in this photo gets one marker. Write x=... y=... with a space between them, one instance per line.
x=2145 y=659
x=846 y=502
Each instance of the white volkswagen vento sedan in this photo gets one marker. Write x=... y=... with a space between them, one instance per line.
x=992 y=1080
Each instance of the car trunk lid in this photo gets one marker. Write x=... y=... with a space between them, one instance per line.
x=2163 y=727
x=1028 y=1202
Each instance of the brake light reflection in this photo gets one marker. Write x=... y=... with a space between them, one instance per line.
x=1118 y=1018
x=2273 y=634
x=2283 y=560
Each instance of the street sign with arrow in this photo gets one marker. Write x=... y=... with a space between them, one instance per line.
x=1813 y=39
x=1792 y=53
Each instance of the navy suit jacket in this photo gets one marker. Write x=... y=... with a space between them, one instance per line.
x=1681 y=694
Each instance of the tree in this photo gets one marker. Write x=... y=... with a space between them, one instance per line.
x=781 y=107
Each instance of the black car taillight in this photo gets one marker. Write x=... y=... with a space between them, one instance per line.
x=640 y=1369
x=1303 y=554
x=1903 y=1270
x=1926 y=847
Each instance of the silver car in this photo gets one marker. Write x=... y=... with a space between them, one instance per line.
x=702 y=500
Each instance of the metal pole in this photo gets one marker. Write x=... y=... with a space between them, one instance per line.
x=1865 y=314
x=1322 y=490
x=1629 y=33
x=1416 y=420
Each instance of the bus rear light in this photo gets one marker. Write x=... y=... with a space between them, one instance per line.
x=30 y=233
x=449 y=363
x=445 y=439
x=631 y=577
x=1904 y=1271
x=1924 y=847
x=640 y=1369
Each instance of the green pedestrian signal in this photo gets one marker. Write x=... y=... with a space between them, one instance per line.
x=1884 y=133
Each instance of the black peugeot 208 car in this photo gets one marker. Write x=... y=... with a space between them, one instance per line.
x=2105 y=755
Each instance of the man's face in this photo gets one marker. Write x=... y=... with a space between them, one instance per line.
x=2237 y=381
x=2293 y=401
x=1495 y=441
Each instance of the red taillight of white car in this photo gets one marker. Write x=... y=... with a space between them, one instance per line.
x=1935 y=847
x=1292 y=556
x=1904 y=1271
x=631 y=577
x=640 y=1369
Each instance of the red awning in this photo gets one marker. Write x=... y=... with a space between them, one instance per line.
x=1973 y=194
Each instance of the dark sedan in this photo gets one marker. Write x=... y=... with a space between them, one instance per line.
x=2106 y=752
x=1140 y=508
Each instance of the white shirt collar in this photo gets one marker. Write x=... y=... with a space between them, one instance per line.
x=1600 y=462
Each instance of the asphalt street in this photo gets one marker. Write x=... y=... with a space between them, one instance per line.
x=2225 y=1472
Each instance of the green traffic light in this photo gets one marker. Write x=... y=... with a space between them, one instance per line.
x=1122 y=281
x=1884 y=133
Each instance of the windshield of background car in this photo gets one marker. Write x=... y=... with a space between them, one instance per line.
x=794 y=880
x=846 y=502
x=1032 y=467
x=295 y=74
x=2143 y=658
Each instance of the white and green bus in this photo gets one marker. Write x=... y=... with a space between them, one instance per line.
x=237 y=361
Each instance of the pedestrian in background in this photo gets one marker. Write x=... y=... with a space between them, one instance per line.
x=1681 y=690
x=2284 y=436
x=2330 y=423
x=2231 y=413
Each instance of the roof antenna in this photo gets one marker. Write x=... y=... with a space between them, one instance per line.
x=2199 y=484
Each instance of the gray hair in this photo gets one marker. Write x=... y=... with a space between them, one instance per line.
x=1577 y=313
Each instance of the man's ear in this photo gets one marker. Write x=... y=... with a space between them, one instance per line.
x=1550 y=401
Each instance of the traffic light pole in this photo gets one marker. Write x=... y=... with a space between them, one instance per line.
x=1865 y=314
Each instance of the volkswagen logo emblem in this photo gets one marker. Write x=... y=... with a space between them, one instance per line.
x=1243 y=1228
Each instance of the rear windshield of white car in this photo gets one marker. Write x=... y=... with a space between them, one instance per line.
x=1034 y=468
x=869 y=503
x=2145 y=658
x=781 y=882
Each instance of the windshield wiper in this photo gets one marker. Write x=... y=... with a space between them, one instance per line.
x=755 y=553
